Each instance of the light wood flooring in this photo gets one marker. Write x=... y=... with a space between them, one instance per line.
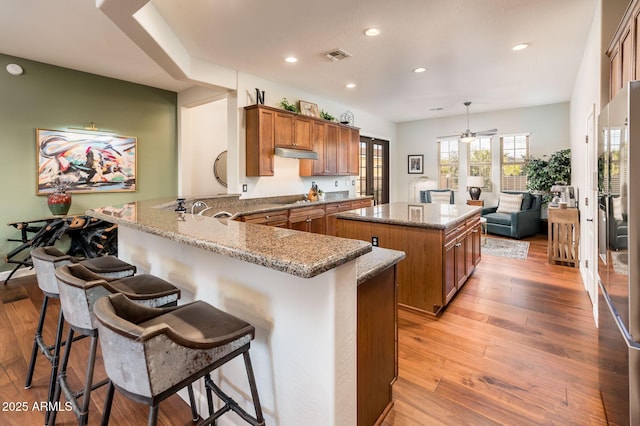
x=517 y=346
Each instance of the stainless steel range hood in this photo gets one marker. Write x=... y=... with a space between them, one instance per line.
x=296 y=153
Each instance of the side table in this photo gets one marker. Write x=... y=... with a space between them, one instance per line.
x=563 y=236
x=475 y=203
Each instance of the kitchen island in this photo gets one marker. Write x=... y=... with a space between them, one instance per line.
x=442 y=243
x=316 y=303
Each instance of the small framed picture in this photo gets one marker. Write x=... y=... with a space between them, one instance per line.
x=415 y=164
x=415 y=213
x=309 y=109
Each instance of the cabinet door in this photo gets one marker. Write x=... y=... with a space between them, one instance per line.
x=615 y=82
x=260 y=142
x=343 y=151
x=331 y=150
x=626 y=58
x=353 y=167
x=476 y=244
x=303 y=133
x=284 y=129
x=449 y=271
x=461 y=266
x=330 y=218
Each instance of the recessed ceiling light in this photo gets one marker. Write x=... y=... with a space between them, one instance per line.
x=350 y=85
x=291 y=59
x=372 y=32
x=520 y=46
x=419 y=69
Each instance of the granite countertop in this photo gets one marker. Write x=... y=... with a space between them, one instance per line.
x=426 y=215
x=376 y=261
x=298 y=253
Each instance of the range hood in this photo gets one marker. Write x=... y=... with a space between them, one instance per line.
x=296 y=153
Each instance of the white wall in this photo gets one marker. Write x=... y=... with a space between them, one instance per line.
x=548 y=126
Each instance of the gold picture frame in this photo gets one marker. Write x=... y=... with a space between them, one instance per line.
x=309 y=109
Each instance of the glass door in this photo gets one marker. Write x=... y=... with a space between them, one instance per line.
x=374 y=169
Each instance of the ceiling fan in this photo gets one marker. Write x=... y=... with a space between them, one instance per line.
x=468 y=136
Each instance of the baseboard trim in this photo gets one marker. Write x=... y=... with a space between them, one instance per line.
x=22 y=272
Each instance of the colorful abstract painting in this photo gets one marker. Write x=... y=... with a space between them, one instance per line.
x=85 y=161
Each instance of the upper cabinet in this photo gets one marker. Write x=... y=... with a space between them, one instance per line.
x=337 y=145
x=624 y=50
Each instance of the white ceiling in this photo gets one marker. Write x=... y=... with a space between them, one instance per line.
x=465 y=44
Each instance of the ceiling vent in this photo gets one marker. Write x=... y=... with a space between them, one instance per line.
x=337 y=55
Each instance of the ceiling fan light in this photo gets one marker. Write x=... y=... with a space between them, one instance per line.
x=467 y=139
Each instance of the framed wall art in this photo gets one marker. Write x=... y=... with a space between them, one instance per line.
x=415 y=164
x=85 y=161
x=307 y=108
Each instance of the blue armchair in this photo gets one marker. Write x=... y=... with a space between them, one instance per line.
x=515 y=224
x=425 y=196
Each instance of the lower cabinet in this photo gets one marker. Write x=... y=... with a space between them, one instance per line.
x=438 y=262
x=309 y=219
x=377 y=325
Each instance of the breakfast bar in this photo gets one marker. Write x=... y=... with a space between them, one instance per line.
x=305 y=294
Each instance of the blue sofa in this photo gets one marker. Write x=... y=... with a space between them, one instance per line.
x=517 y=224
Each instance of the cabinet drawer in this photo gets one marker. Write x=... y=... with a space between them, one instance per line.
x=266 y=218
x=339 y=207
x=306 y=213
x=454 y=232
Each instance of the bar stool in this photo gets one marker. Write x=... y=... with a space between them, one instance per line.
x=150 y=354
x=45 y=261
x=79 y=288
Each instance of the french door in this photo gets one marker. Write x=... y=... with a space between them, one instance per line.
x=374 y=169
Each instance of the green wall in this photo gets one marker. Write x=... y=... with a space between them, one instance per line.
x=50 y=97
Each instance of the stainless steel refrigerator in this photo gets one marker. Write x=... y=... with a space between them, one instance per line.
x=619 y=256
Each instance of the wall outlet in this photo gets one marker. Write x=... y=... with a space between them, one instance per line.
x=336 y=184
x=374 y=241
x=244 y=187
x=353 y=183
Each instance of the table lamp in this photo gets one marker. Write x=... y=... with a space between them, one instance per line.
x=474 y=183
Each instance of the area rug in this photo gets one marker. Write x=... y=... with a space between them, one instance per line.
x=505 y=248
x=620 y=262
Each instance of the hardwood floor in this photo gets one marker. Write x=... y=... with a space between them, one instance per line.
x=516 y=346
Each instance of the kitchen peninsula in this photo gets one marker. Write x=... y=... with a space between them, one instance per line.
x=325 y=350
x=442 y=243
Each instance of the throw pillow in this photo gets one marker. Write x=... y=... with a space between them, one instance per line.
x=617 y=208
x=441 y=197
x=509 y=203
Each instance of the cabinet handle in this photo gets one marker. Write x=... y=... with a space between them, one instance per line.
x=459 y=245
x=267 y=216
x=308 y=220
x=475 y=231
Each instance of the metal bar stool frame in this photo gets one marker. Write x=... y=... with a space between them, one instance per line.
x=79 y=289
x=116 y=330
x=45 y=261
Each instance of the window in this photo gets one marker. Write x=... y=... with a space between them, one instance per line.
x=515 y=151
x=479 y=163
x=448 y=164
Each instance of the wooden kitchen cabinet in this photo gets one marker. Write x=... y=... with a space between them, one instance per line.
x=353 y=153
x=279 y=218
x=303 y=132
x=260 y=140
x=331 y=210
x=309 y=219
x=435 y=266
x=267 y=128
x=344 y=142
x=624 y=50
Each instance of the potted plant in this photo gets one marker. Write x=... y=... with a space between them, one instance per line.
x=327 y=116
x=543 y=174
x=284 y=103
